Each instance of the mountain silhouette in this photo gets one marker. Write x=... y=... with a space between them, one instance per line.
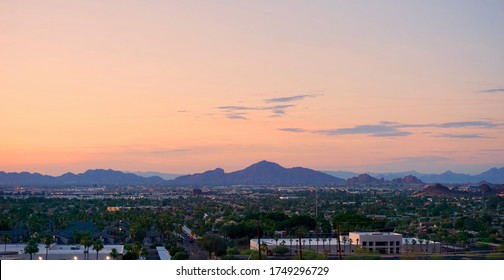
x=90 y=177
x=261 y=173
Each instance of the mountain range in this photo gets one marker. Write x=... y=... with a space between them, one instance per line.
x=88 y=178
x=440 y=190
x=493 y=175
x=261 y=173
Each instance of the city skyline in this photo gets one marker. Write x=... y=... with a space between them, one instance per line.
x=183 y=87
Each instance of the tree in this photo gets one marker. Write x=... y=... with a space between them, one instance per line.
x=31 y=248
x=300 y=232
x=276 y=238
x=114 y=253
x=264 y=249
x=5 y=239
x=144 y=253
x=97 y=246
x=47 y=239
x=183 y=255
x=280 y=250
x=344 y=240
x=86 y=241
x=213 y=244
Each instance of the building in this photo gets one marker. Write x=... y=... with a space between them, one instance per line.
x=328 y=246
x=382 y=242
x=388 y=243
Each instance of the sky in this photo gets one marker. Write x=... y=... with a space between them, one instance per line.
x=187 y=86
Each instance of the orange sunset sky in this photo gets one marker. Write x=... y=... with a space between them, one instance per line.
x=186 y=86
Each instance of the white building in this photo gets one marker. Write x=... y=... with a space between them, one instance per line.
x=382 y=242
x=328 y=246
x=388 y=243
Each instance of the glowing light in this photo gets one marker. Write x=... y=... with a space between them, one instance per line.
x=108 y=258
x=39 y=258
x=75 y=258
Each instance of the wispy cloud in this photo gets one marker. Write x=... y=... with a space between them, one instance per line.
x=461 y=136
x=237 y=112
x=371 y=130
x=277 y=110
x=483 y=124
x=395 y=129
x=254 y=108
x=290 y=98
x=289 y=129
x=379 y=130
x=493 y=90
x=234 y=116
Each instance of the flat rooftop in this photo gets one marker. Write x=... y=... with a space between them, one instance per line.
x=376 y=233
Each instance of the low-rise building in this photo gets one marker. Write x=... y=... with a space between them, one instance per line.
x=382 y=242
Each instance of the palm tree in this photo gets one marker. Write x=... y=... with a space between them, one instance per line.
x=427 y=245
x=413 y=242
x=330 y=238
x=300 y=232
x=406 y=241
x=344 y=240
x=48 y=239
x=290 y=252
x=323 y=243
x=86 y=241
x=5 y=239
x=97 y=246
x=350 y=243
x=317 y=240
x=421 y=242
x=114 y=253
x=31 y=248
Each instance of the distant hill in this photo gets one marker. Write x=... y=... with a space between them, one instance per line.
x=166 y=176
x=366 y=179
x=407 y=180
x=493 y=176
x=261 y=173
x=440 y=190
x=436 y=190
x=90 y=177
